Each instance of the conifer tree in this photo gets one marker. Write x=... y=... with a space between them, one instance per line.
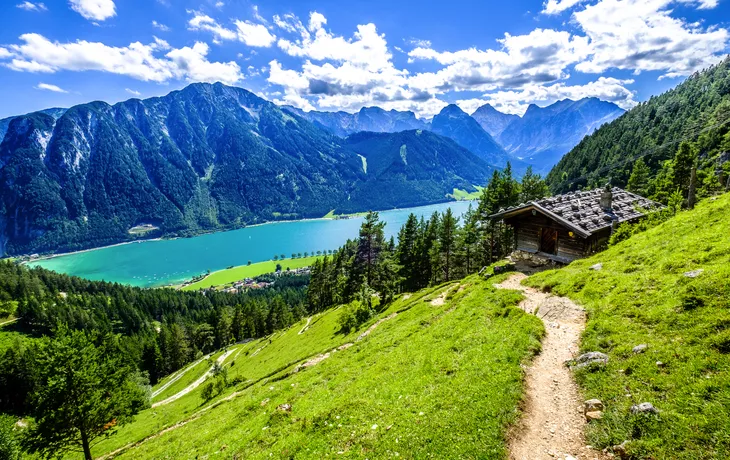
x=639 y=179
x=447 y=243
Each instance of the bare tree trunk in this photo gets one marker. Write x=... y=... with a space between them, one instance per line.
x=85 y=444
x=692 y=185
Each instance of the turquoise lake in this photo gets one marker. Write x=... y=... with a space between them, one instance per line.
x=162 y=262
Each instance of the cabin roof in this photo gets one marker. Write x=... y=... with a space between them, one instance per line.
x=581 y=211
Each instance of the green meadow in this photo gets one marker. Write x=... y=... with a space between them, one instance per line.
x=438 y=379
x=231 y=275
x=641 y=295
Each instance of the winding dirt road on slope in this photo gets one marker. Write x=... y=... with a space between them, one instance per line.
x=195 y=384
x=552 y=421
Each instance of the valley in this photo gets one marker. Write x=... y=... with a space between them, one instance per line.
x=171 y=262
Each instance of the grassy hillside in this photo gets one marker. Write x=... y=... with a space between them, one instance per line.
x=437 y=375
x=642 y=296
x=230 y=275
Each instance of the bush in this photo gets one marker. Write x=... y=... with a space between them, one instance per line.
x=9 y=445
x=353 y=316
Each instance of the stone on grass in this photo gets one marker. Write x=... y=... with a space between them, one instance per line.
x=694 y=273
x=644 y=408
x=640 y=348
x=286 y=407
x=590 y=358
x=592 y=405
x=620 y=450
x=594 y=415
x=596 y=267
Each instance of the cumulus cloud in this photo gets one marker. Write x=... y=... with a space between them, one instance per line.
x=49 y=87
x=160 y=26
x=558 y=6
x=641 y=35
x=30 y=6
x=156 y=61
x=96 y=10
x=133 y=92
x=516 y=101
x=252 y=34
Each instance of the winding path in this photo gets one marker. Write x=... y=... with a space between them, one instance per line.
x=195 y=384
x=306 y=326
x=552 y=421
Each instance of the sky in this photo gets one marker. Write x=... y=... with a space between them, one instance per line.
x=345 y=55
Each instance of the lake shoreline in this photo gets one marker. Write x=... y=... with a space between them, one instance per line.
x=162 y=238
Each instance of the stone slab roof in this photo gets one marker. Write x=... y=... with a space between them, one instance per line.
x=581 y=211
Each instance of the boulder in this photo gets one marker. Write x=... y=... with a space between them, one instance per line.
x=644 y=408
x=596 y=267
x=592 y=405
x=591 y=358
x=594 y=415
x=620 y=450
x=640 y=348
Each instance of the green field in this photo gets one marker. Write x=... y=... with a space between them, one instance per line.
x=440 y=380
x=463 y=195
x=641 y=296
x=230 y=275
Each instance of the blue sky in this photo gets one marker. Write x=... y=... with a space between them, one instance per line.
x=335 y=55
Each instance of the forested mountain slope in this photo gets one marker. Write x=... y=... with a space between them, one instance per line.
x=414 y=167
x=666 y=288
x=697 y=111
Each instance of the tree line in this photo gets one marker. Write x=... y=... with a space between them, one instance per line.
x=427 y=252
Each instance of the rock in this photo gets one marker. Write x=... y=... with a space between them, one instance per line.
x=374 y=427
x=640 y=348
x=594 y=415
x=265 y=401
x=592 y=357
x=592 y=405
x=620 y=450
x=596 y=267
x=284 y=407
x=694 y=273
x=644 y=408
x=660 y=364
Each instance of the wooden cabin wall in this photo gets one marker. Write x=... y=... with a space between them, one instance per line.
x=527 y=235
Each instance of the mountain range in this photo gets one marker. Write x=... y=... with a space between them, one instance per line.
x=539 y=138
x=203 y=158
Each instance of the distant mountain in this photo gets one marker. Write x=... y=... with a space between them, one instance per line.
x=373 y=119
x=413 y=167
x=696 y=111
x=454 y=123
x=5 y=122
x=544 y=134
x=205 y=157
x=492 y=120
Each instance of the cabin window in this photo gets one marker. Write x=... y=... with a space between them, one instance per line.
x=548 y=240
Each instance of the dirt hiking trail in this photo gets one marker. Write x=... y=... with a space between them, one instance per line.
x=552 y=420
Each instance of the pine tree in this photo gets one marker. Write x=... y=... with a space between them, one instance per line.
x=447 y=243
x=639 y=179
x=407 y=253
x=370 y=244
x=533 y=187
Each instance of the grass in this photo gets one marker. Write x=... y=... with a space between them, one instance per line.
x=230 y=275
x=442 y=381
x=194 y=373
x=463 y=195
x=641 y=296
x=332 y=215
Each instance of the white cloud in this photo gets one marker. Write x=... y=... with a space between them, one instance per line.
x=139 y=61
x=641 y=35
x=257 y=16
x=133 y=92
x=30 y=6
x=97 y=10
x=254 y=34
x=542 y=56
x=160 y=26
x=511 y=101
x=219 y=5
x=558 y=6
x=49 y=87
x=419 y=43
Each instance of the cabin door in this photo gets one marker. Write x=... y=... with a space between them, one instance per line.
x=548 y=240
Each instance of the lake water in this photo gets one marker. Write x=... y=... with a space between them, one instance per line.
x=162 y=262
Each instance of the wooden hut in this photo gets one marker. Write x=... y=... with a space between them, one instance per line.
x=566 y=227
